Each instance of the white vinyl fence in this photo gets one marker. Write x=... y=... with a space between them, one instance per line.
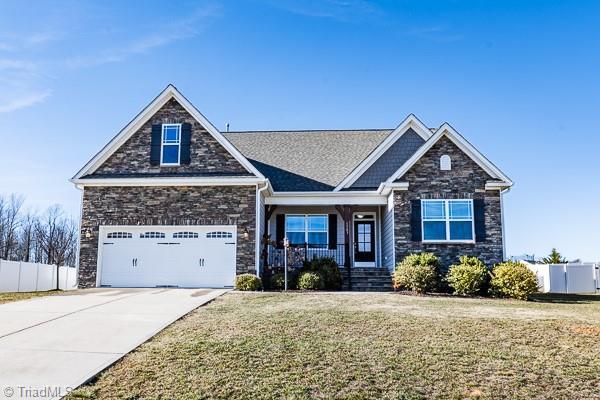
x=567 y=278
x=16 y=276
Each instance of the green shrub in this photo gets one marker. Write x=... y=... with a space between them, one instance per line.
x=467 y=277
x=278 y=281
x=310 y=281
x=417 y=272
x=329 y=271
x=248 y=282
x=513 y=279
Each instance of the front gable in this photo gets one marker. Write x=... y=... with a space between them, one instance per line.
x=426 y=173
x=447 y=155
x=207 y=156
x=128 y=154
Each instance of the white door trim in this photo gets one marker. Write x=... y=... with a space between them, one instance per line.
x=375 y=233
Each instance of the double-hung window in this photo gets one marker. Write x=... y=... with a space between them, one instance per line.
x=170 y=152
x=447 y=220
x=310 y=229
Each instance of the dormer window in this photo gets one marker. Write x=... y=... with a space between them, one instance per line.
x=170 y=153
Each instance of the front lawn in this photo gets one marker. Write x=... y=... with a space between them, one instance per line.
x=381 y=345
x=8 y=297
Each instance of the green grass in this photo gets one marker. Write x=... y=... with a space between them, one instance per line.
x=8 y=297
x=355 y=346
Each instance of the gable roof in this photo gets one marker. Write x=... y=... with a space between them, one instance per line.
x=307 y=160
x=411 y=122
x=167 y=94
x=448 y=131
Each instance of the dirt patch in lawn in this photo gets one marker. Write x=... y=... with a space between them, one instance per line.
x=385 y=346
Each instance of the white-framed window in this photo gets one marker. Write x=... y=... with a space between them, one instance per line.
x=119 y=235
x=447 y=220
x=219 y=235
x=152 y=235
x=185 y=235
x=170 y=149
x=309 y=228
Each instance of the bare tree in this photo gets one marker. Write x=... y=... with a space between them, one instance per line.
x=12 y=211
x=57 y=237
x=26 y=236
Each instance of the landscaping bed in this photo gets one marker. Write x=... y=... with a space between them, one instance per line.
x=380 y=345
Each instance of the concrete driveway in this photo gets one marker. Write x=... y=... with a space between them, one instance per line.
x=49 y=345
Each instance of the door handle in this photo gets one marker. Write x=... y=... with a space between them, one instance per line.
x=201 y=262
x=134 y=262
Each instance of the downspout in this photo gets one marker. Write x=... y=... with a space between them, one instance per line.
x=258 y=219
x=502 y=222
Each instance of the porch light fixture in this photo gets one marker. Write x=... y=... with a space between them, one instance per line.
x=360 y=216
x=245 y=233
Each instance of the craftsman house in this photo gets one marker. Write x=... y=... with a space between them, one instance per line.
x=172 y=201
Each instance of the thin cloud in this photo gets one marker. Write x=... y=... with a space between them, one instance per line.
x=23 y=101
x=186 y=28
x=23 y=41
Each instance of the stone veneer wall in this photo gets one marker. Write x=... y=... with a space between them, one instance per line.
x=466 y=180
x=208 y=157
x=168 y=205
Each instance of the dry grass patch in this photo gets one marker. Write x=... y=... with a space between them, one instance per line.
x=8 y=297
x=385 y=346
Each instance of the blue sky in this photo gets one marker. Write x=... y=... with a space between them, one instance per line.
x=517 y=79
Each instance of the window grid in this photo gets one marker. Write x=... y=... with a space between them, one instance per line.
x=152 y=235
x=448 y=217
x=219 y=235
x=170 y=141
x=185 y=235
x=310 y=226
x=119 y=235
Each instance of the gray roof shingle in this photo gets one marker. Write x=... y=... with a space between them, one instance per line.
x=306 y=160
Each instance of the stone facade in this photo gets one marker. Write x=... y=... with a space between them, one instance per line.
x=208 y=156
x=466 y=180
x=168 y=205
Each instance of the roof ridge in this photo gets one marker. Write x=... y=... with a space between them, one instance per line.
x=310 y=130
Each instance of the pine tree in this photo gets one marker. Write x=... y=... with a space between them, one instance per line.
x=554 y=258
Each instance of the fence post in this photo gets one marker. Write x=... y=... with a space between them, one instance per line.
x=19 y=279
x=37 y=276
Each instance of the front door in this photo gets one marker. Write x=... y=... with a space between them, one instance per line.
x=364 y=241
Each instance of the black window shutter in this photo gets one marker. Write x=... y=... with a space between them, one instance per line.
x=479 y=215
x=415 y=220
x=155 y=144
x=186 y=139
x=279 y=230
x=332 y=225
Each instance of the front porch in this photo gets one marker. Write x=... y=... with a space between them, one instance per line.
x=351 y=235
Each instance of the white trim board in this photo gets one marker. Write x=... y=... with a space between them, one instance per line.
x=167 y=94
x=409 y=122
x=170 y=181
x=449 y=132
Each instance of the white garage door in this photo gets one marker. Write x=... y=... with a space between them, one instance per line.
x=184 y=256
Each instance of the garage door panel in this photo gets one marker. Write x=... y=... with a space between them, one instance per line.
x=199 y=256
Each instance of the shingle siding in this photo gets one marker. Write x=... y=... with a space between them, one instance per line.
x=466 y=180
x=390 y=161
x=167 y=205
x=208 y=156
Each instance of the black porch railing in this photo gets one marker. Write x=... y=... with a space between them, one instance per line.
x=298 y=253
